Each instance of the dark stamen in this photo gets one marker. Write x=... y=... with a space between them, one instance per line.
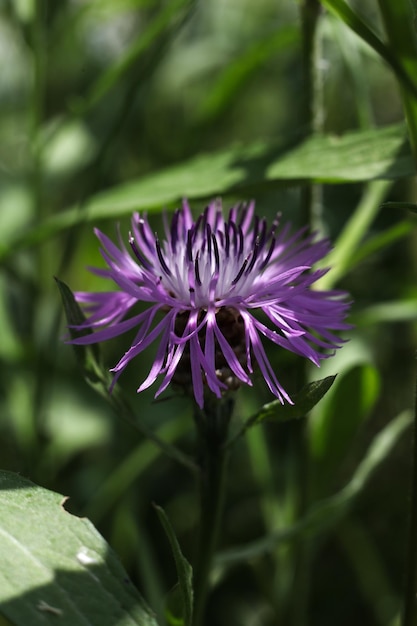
x=262 y=234
x=174 y=230
x=160 y=257
x=208 y=239
x=141 y=225
x=197 y=272
x=268 y=256
x=240 y=234
x=239 y=274
x=216 y=252
x=255 y=230
x=255 y=254
x=190 y=246
x=137 y=252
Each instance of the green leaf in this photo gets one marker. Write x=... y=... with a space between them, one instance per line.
x=184 y=572
x=357 y=156
x=405 y=206
x=276 y=412
x=56 y=568
x=304 y=401
x=88 y=357
x=338 y=159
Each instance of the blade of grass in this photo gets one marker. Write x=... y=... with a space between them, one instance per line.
x=239 y=71
x=369 y=569
x=380 y=241
x=347 y=15
x=327 y=513
x=339 y=259
x=114 y=73
x=399 y=21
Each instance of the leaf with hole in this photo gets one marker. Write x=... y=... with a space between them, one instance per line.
x=56 y=568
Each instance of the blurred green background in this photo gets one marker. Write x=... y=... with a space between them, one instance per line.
x=101 y=95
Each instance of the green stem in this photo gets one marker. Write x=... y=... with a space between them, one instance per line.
x=42 y=262
x=312 y=207
x=410 y=599
x=212 y=427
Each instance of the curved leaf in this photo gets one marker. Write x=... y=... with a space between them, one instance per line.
x=56 y=568
x=357 y=156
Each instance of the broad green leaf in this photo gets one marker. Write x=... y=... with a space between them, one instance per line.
x=357 y=156
x=336 y=159
x=304 y=401
x=184 y=572
x=56 y=568
x=326 y=513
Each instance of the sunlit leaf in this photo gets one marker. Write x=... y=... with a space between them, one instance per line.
x=356 y=156
x=56 y=567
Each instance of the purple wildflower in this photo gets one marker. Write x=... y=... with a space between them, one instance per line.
x=207 y=278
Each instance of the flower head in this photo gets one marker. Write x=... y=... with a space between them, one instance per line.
x=205 y=283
